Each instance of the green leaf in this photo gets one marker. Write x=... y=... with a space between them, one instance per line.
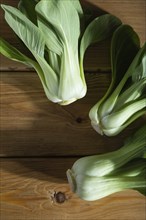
x=54 y=61
x=125 y=45
x=132 y=93
x=52 y=40
x=116 y=130
x=138 y=66
x=12 y=53
x=32 y=38
x=25 y=29
x=51 y=80
x=27 y=7
x=63 y=19
x=118 y=118
x=78 y=7
x=99 y=29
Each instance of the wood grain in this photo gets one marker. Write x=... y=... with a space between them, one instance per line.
x=28 y=187
x=41 y=140
x=130 y=12
x=31 y=125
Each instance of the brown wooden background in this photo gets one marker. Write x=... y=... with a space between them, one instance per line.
x=41 y=140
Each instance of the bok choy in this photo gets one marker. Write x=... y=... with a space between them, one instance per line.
x=55 y=34
x=125 y=99
x=95 y=177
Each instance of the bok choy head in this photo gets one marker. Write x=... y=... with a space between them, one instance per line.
x=54 y=33
x=95 y=177
x=125 y=99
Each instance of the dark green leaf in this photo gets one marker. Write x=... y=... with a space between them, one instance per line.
x=125 y=45
x=27 y=7
x=99 y=29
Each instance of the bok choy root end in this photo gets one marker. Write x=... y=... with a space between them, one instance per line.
x=95 y=177
x=125 y=99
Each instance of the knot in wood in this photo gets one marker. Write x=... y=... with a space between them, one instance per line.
x=60 y=197
x=79 y=120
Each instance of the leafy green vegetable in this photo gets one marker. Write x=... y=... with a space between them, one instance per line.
x=95 y=177
x=53 y=32
x=27 y=7
x=125 y=99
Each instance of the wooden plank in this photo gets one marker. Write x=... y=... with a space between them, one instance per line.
x=130 y=12
x=28 y=187
x=31 y=125
x=97 y=56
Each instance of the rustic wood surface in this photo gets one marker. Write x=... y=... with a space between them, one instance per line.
x=30 y=189
x=29 y=119
x=41 y=140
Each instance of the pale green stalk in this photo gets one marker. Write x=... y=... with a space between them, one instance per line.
x=55 y=33
x=125 y=99
x=94 y=177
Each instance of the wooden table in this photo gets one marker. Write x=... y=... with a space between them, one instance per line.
x=41 y=140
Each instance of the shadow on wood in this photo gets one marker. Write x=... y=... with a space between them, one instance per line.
x=51 y=169
x=31 y=126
